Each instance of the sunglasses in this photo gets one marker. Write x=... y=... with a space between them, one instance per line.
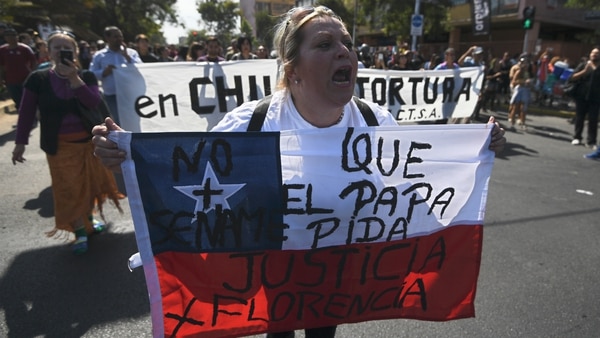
x=63 y=32
x=298 y=13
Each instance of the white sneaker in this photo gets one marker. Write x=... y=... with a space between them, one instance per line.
x=576 y=142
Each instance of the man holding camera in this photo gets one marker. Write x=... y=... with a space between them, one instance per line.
x=106 y=60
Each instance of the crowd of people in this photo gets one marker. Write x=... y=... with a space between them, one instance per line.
x=543 y=88
x=48 y=87
x=517 y=80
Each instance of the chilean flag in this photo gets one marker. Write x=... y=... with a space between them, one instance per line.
x=245 y=233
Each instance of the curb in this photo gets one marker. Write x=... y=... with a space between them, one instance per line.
x=7 y=107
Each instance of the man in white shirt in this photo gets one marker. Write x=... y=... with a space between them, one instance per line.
x=106 y=60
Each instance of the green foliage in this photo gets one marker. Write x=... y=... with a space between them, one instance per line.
x=87 y=18
x=5 y=10
x=341 y=10
x=393 y=17
x=246 y=29
x=195 y=35
x=265 y=24
x=220 y=16
x=138 y=16
x=587 y=4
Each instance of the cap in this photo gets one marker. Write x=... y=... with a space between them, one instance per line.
x=478 y=50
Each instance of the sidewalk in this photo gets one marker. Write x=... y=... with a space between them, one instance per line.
x=7 y=107
x=8 y=117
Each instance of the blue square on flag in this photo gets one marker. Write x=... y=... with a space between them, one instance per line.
x=210 y=192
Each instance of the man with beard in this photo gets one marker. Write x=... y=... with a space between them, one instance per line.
x=106 y=60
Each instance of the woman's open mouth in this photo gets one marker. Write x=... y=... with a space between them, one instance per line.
x=342 y=76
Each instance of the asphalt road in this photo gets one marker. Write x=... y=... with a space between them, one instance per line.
x=539 y=271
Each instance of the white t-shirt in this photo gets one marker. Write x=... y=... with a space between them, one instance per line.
x=283 y=115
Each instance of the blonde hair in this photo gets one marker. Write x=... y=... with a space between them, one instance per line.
x=288 y=37
x=68 y=36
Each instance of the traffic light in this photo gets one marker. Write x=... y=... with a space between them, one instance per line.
x=528 y=15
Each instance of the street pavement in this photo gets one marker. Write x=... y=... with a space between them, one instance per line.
x=539 y=271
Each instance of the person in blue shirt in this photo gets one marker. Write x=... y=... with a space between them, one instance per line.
x=106 y=60
x=473 y=57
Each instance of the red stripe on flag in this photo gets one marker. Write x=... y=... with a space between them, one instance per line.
x=432 y=277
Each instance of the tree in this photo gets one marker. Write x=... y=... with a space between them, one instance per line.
x=588 y=4
x=246 y=29
x=195 y=35
x=339 y=8
x=5 y=10
x=264 y=28
x=135 y=16
x=393 y=17
x=87 y=18
x=220 y=16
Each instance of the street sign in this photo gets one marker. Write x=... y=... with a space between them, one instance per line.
x=416 y=25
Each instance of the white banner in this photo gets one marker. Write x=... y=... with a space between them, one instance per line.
x=424 y=95
x=189 y=96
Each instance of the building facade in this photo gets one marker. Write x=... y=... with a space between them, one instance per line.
x=554 y=27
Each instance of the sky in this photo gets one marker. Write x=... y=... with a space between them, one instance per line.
x=186 y=9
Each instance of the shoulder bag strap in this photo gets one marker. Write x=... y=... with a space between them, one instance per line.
x=366 y=112
x=260 y=112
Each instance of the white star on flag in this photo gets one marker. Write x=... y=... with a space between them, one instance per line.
x=211 y=193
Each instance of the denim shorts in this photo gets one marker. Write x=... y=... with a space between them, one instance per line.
x=521 y=94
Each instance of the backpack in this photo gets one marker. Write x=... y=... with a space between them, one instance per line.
x=260 y=112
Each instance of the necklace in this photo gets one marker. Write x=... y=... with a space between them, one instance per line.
x=333 y=124
x=339 y=118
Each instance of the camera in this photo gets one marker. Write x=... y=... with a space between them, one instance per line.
x=66 y=55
